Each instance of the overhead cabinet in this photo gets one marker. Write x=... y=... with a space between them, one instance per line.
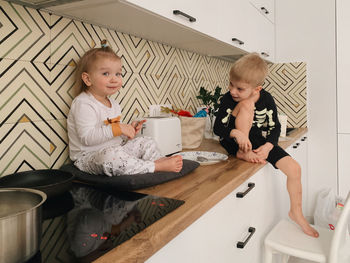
x=198 y=15
x=266 y=8
x=240 y=23
x=262 y=34
x=216 y=28
x=235 y=25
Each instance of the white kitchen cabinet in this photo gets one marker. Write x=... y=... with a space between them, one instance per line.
x=155 y=21
x=217 y=23
x=234 y=27
x=343 y=65
x=264 y=36
x=242 y=25
x=231 y=25
x=214 y=236
x=343 y=164
x=196 y=14
x=266 y=8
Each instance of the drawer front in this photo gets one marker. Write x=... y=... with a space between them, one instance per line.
x=214 y=236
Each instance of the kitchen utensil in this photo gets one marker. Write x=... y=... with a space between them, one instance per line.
x=198 y=156
x=20 y=223
x=52 y=182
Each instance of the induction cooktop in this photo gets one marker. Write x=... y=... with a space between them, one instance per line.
x=94 y=221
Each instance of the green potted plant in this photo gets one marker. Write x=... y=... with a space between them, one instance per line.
x=211 y=100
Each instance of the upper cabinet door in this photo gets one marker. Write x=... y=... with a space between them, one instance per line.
x=265 y=7
x=343 y=65
x=235 y=24
x=215 y=28
x=263 y=33
x=242 y=25
x=200 y=15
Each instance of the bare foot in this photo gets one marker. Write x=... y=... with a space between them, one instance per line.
x=249 y=156
x=305 y=226
x=169 y=164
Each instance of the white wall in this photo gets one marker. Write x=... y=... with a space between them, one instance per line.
x=305 y=31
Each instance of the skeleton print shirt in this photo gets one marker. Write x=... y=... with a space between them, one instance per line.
x=265 y=118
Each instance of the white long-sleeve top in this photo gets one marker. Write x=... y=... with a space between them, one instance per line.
x=86 y=129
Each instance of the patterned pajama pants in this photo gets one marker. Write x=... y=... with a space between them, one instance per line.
x=137 y=156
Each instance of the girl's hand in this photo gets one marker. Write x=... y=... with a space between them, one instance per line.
x=137 y=125
x=264 y=150
x=128 y=130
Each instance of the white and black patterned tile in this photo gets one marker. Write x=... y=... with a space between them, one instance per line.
x=24 y=34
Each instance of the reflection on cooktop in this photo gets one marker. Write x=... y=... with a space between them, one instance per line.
x=101 y=220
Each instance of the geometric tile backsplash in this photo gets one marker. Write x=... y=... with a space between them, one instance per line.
x=287 y=84
x=38 y=54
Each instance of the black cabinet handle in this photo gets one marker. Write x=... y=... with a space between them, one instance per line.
x=265 y=10
x=295 y=146
x=304 y=138
x=190 y=18
x=242 y=194
x=241 y=244
x=238 y=40
x=265 y=54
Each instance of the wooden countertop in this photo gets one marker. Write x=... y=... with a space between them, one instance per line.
x=201 y=190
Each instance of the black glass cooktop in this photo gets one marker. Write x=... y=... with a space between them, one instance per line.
x=95 y=221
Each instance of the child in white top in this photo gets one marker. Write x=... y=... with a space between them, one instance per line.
x=98 y=141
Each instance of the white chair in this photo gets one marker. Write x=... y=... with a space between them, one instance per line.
x=288 y=239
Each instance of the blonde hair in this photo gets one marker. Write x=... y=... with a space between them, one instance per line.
x=251 y=69
x=87 y=60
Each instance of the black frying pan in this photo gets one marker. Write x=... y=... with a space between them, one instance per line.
x=52 y=182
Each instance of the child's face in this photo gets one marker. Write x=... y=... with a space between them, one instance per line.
x=240 y=90
x=105 y=77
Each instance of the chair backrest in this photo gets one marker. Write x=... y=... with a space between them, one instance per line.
x=341 y=232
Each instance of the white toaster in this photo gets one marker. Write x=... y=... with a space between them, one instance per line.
x=166 y=131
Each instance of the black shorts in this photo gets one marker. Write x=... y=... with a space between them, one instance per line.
x=276 y=154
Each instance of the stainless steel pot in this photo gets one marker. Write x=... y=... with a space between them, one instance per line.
x=20 y=223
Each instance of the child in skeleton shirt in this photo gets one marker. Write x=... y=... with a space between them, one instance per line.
x=248 y=127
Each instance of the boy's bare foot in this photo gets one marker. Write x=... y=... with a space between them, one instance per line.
x=250 y=156
x=302 y=222
x=169 y=164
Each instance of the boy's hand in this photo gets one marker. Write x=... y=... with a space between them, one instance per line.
x=128 y=130
x=137 y=125
x=264 y=150
x=242 y=140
